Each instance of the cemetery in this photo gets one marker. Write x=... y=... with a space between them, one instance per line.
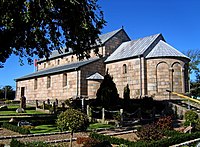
x=107 y=119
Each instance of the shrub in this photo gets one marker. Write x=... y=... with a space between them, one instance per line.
x=197 y=126
x=112 y=140
x=126 y=93
x=190 y=117
x=16 y=128
x=163 y=142
x=16 y=143
x=164 y=123
x=91 y=142
x=81 y=140
x=8 y=102
x=171 y=133
x=149 y=132
x=107 y=94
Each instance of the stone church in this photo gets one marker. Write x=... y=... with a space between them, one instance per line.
x=148 y=65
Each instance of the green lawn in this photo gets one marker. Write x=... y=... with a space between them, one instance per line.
x=53 y=128
x=44 y=129
x=100 y=125
x=27 y=112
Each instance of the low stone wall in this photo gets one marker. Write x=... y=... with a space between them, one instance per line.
x=178 y=110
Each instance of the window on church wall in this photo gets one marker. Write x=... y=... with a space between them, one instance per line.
x=64 y=80
x=124 y=69
x=44 y=65
x=58 y=62
x=49 y=63
x=35 y=83
x=48 y=82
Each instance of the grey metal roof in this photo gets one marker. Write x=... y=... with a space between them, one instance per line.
x=103 y=38
x=58 y=69
x=162 y=49
x=107 y=36
x=132 y=48
x=95 y=76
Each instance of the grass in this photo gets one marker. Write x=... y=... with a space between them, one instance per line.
x=50 y=128
x=99 y=125
x=44 y=129
x=26 y=112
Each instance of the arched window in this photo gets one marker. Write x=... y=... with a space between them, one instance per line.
x=58 y=62
x=35 y=83
x=48 y=82
x=124 y=69
x=64 y=80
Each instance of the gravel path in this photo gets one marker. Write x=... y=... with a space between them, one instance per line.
x=4 y=132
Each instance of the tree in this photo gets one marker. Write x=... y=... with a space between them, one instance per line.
x=7 y=92
x=72 y=120
x=194 y=64
x=37 y=27
x=194 y=56
x=107 y=94
x=195 y=86
x=126 y=92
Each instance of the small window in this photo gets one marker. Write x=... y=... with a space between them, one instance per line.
x=124 y=69
x=35 y=83
x=72 y=59
x=58 y=62
x=64 y=80
x=44 y=65
x=48 y=82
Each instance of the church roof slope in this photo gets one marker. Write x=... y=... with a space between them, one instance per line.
x=107 y=36
x=162 y=49
x=58 y=69
x=132 y=48
x=103 y=38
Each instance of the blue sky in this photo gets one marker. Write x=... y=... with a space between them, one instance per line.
x=177 y=20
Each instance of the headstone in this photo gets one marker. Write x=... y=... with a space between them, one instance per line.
x=82 y=103
x=103 y=115
x=23 y=102
x=36 y=104
x=54 y=107
x=43 y=105
x=20 y=110
x=63 y=106
x=121 y=114
x=56 y=102
x=48 y=101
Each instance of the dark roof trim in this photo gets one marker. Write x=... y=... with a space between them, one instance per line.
x=172 y=57
x=60 y=56
x=59 y=69
x=122 y=59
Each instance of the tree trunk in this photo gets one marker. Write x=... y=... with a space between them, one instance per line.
x=71 y=136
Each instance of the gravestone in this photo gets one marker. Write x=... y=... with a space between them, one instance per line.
x=23 y=102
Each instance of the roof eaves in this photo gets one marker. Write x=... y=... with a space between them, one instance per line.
x=73 y=68
x=122 y=59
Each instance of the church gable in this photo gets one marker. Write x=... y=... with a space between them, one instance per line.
x=134 y=48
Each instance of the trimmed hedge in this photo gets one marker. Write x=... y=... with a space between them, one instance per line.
x=176 y=139
x=16 y=128
x=16 y=143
